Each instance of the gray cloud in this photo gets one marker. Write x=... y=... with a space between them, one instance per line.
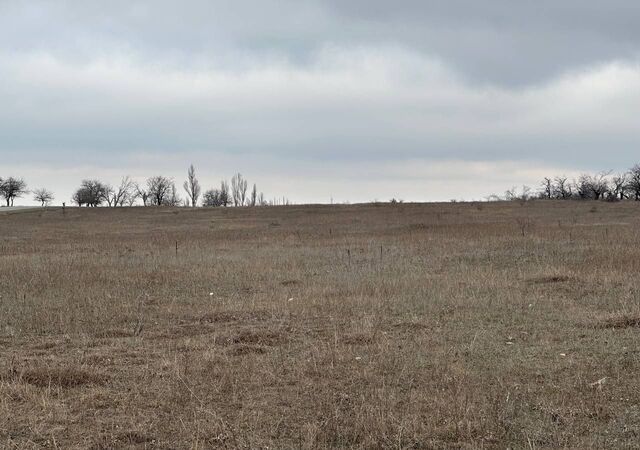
x=497 y=41
x=370 y=88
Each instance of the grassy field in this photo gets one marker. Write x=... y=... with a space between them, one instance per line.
x=400 y=326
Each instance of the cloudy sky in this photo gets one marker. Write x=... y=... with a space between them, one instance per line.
x=350 y=100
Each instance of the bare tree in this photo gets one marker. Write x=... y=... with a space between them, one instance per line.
x=254 y=195
x=562 y=188
x=593 y=186
x=547 y=188
x=238 y=189
x=107 y=195
x=172 y=198
x=158 y=188
x=583 y=186
x=123 y=194
x=44 y=196
x=141 y=192
x=192 y=186
x=90 y=193
x=217 y=197
x=512 y=194
x=634 y=181
x=212 y=197
x=12 y=188
x=261 y=200
x=225 y=198
x=599 y=185
x=620 y=186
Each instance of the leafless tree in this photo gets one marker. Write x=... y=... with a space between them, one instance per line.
x=107 y=195
x=593 y=186
x=192 y=186
x=254 y=195
x=524 y=195
x=238 y=189
x=511 y=194
x=583 y=186
x=261 y=200
x=634 y=181
x=217 y=197
x=158 y=188
x=141 y=192
x=172 y=198
x=225 y=198
x=599 y=185
x=12 y=188
x=123 y=194
x=547 y=188
x=620 y=186
x=562 y=188
x=90 y=193
x=211 y=198
x=282 y=202
x=44 y=196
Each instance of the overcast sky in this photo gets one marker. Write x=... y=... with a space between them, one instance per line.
x=353 y=100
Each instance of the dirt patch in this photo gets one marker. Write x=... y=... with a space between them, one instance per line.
x=48 y=345
x=240 y=350
x=252 y=337
x=127 y=438
x=185 y=330
x=357 y=339
x=548 y=279
x=234 y=316
x=64 y=377
x=621 y=322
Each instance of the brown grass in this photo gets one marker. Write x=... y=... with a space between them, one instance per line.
x=63 y=377
x=371 y=326
x=621 y=321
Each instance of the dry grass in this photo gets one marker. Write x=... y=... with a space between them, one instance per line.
x=398 y=326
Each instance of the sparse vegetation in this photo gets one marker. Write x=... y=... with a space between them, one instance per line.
x=398 y=326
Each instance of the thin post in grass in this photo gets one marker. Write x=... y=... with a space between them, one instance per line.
x=176 y=248
x=349 y=256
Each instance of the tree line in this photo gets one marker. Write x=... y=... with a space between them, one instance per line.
x=160 y=190
x=12 y=188
x=600 y=186
x=157 y=190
